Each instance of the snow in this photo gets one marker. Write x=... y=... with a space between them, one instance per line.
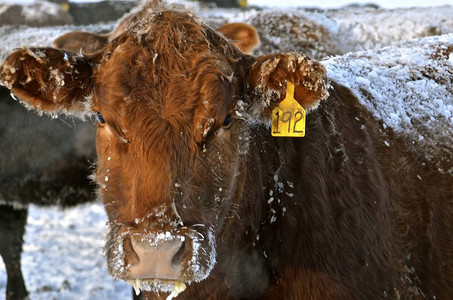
x=307 y=3
x=31 y=13
x=340 y=3
x=63 y=255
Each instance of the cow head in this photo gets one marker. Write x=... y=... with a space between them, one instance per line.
x=175 y=103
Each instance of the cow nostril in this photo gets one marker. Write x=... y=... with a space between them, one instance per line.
x=177 y=258
x=131 y=257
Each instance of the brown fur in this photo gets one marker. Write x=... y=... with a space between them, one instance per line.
x=334 y=215
x=243 y=36
x=49 y=79
x=81 y=42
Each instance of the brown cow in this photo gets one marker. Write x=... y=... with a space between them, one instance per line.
x=197 y=191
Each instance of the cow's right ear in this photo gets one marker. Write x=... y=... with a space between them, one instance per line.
x=49 y=80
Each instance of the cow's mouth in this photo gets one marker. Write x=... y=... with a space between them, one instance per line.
x=174 y=287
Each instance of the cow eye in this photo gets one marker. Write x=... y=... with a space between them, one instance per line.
x=100 y=118
x=227 y=121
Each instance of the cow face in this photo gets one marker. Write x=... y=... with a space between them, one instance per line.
x=175 y=103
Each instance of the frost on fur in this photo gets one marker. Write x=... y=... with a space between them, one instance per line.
x=200 y=245
x=49 y=80
x=408 y=88
x=270 y=74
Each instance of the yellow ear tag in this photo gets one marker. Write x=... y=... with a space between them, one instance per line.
x=288 y=118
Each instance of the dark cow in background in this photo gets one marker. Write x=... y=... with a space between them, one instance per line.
x=199 y=193
x=38 y=165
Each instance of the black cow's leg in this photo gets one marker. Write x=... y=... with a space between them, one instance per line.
x=12 y=229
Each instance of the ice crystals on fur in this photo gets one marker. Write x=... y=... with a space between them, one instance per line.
x=408 y=88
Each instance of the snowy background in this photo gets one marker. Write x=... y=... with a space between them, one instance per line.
x=340 y=3
x=63 y=250
x=311 y=3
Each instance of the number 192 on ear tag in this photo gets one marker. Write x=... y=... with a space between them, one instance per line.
x=288 y=118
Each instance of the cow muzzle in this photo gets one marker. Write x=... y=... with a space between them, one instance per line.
x=159 y=260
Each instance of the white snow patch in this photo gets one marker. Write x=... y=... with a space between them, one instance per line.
x=340 y=3
x=41 y=9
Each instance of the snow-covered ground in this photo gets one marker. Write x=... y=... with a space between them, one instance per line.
x=63 y=250
x=63 y=256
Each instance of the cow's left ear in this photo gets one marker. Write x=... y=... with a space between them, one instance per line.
x=268 y=79
x=243 y=35
x=81 y=42
x=49 y=80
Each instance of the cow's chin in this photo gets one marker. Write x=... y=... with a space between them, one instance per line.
x=160 y=260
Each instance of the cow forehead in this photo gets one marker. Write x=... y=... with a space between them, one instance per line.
x=170 y=40
x=160 y=47
x=148 y=86
x=167 y=73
